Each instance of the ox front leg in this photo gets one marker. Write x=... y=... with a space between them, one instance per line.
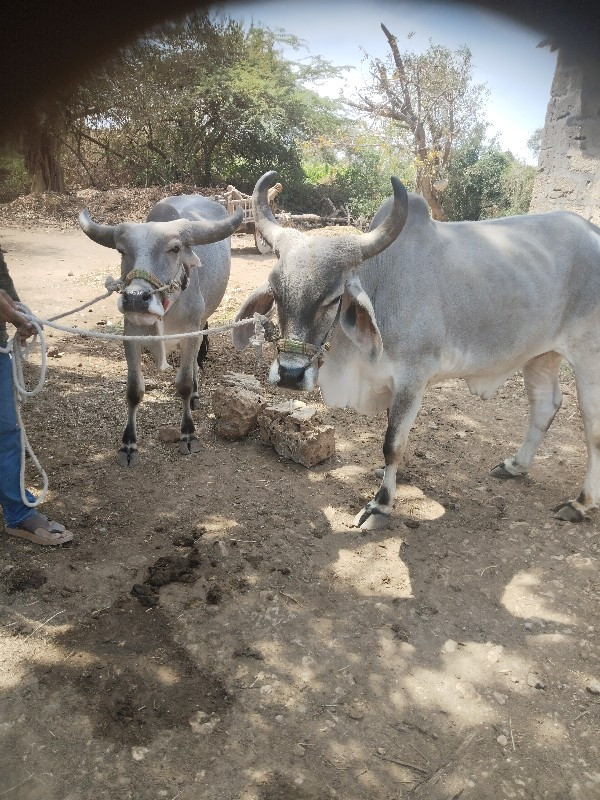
x=128 y=455
x=186 y=376
x=405 y=405
x=588 y=395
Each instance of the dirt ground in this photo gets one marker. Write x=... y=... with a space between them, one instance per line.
x=288 y=656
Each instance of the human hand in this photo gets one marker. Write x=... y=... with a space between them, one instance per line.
x=10 y=313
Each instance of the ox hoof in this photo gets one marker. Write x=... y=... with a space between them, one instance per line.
x=371 y=520
x=127 y=457
x=188 y=446
x=502 y=473
x=568 y=512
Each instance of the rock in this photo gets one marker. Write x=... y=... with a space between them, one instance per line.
x=502 y=740
x=237 y=379
x=593 y=686
x=168 y=435
x=237 y=404
x=500 y=698
x=295 y=431
x=535 y=681
x=201 y=723
x=356 y=711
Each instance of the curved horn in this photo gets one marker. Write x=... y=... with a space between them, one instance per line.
x=384 y=234
x=205 y=231
x=101 y=234
x=263 y=216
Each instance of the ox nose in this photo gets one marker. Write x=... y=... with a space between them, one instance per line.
x=291 y=377
x=136 y=301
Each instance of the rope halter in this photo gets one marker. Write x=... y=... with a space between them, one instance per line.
x=296 y=347
x=142 y=274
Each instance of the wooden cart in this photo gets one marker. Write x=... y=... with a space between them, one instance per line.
x=234 y=199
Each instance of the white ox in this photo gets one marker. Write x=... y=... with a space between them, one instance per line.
x=415 y=301
x=175 y=268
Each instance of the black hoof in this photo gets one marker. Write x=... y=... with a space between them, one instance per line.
x=188 y=445
x=128 y=456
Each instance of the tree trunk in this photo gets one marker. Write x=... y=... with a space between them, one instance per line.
x=42 y=156
x=425 y=188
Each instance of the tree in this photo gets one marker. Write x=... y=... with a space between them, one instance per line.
x=201 y=101
x=485 y=181
x=431 y=98
x=42 y=148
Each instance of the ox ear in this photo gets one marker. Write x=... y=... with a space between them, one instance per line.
x=259 y=302
x=358 y=322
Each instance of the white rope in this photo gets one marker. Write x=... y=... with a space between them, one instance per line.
x=118 y=337
x=18 y=353
x=20 y=390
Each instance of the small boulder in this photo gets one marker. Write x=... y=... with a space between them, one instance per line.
x=237 y=404
x=296 y=431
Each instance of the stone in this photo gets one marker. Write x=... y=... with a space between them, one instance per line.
x=535 y=681
x=237 y=404
x=296 y=432
x=593 y=686
x=168 y=434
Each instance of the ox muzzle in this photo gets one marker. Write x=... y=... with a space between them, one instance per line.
x=297 y=365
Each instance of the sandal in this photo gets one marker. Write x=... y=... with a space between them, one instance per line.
x=39 y=529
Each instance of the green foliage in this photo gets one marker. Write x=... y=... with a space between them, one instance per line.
x=431 y=100
x=486 y=182
x=205 y=102
x=14 y=179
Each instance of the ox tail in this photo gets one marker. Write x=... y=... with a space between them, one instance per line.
x=203 y=351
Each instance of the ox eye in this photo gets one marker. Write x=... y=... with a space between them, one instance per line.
x=175 y=249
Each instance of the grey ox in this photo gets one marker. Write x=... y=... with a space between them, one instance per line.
x=174 y=270
x=414 y=301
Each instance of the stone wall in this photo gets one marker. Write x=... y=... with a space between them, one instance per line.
x=569 y=166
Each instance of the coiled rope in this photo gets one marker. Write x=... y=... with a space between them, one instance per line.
x=18 y=353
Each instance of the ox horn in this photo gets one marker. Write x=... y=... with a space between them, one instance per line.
x=263 y=216
x=204 y=231
x=101 y=234
x=383 y=235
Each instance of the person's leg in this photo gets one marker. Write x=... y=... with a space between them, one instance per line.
x=13 y=507
x=20 y=520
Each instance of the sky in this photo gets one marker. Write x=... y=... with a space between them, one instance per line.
x=517 y=73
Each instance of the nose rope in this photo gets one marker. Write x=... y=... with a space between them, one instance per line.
x=149 y=277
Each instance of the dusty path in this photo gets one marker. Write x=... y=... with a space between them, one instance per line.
x=289 y=657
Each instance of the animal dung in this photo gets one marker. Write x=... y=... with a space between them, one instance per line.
x=296 y=432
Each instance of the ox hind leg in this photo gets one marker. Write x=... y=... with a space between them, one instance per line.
x=199 y=363
x=185 y=381
x=540 y=376
x=403 y=411
x=128 y=455
x=587 y=378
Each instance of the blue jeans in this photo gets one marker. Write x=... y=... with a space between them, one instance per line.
x=13 y=508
